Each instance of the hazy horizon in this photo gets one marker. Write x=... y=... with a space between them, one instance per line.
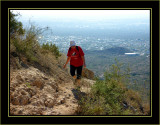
x=109 y=23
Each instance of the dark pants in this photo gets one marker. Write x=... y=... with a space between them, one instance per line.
x=79 y=71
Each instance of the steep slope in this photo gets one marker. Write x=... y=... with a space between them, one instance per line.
x=34 y=92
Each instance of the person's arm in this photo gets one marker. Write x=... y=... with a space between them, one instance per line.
x=84 y=63
x=68 y=59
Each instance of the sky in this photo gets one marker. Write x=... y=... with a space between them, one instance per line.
x=83 y=15
x=89 y=22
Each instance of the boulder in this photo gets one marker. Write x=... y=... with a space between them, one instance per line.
x=38 y=84
x=87 y=73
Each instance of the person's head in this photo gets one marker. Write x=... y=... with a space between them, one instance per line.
x=72 y=44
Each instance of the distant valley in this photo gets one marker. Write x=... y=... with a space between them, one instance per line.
x=101 y=60
x=113 y=50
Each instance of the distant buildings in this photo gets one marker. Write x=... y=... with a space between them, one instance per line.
x=131 y=54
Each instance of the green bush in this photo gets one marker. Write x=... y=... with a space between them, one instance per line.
x=52 y=48
x=24 y=40
x=106 y=96
x=112 y=93
x=91 y=105
x=26 y=46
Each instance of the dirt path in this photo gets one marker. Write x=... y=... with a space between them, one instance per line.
x=67 y=104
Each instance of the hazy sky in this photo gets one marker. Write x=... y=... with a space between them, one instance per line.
x=85 y=22
x=84 y=15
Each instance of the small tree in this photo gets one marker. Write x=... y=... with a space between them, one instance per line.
x=14 y=25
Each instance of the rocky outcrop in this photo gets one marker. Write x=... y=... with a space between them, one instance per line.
x=44 y=87
x=34 y=93
x=87 y=73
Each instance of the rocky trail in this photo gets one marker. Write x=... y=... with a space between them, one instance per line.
x=34 y=93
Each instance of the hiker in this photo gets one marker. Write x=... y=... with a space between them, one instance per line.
x=77 y=61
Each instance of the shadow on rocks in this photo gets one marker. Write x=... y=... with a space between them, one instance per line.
x=78 y=94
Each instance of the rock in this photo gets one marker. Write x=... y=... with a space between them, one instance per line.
x=24 y=100
x=37 y=103
x=38 y=83
x=53 y=85
x=16 y=101
x=14 y=54
x=74 y=101
x=45 y=78
x=23 y=92
x=20 y=112
x=24 y=65
x=20 y=100
x=68 y=96
x=49 y=90
x=12 y=88
x=34 y=92
x=87 y=73
x=141 y=108
x=19 y=96
x=125 y=104
x=133 y=109
x=63 y=101
x=50 y=103
x=19 y=78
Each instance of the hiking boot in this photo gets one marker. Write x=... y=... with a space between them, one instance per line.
x=78 y=81
x=74 y=79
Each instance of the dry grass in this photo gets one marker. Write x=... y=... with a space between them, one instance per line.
x=46 y=59
x=133 y=97
x=147 y=109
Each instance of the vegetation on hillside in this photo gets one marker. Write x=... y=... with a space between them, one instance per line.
x=25 y=45
x=139 y=69
x=111 y=97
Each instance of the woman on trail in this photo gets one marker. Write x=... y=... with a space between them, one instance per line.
x=77 y=61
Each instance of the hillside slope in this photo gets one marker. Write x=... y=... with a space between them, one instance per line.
x=48 y=89
x=34 y=92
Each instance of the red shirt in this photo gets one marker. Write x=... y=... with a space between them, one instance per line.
x=75 y=55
